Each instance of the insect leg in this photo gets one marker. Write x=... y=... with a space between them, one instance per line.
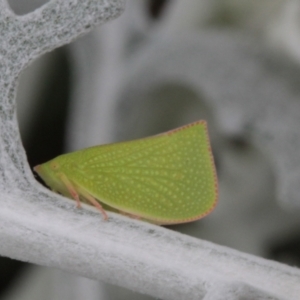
x=93 y=201
x=71 y=189
x=130 y=215
x=86 y=195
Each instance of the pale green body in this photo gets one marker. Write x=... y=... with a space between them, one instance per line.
x=166 y=179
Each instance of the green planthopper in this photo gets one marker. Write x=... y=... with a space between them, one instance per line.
x=168 y=178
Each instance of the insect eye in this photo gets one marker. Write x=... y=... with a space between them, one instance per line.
x=54 y=165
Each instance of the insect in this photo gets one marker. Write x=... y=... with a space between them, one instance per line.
x=168 y=178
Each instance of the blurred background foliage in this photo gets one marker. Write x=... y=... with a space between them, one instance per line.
x=48 y=87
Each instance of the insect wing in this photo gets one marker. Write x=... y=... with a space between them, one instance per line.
x=168 y=178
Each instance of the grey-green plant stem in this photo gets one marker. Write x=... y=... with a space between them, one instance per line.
x=41 y=227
